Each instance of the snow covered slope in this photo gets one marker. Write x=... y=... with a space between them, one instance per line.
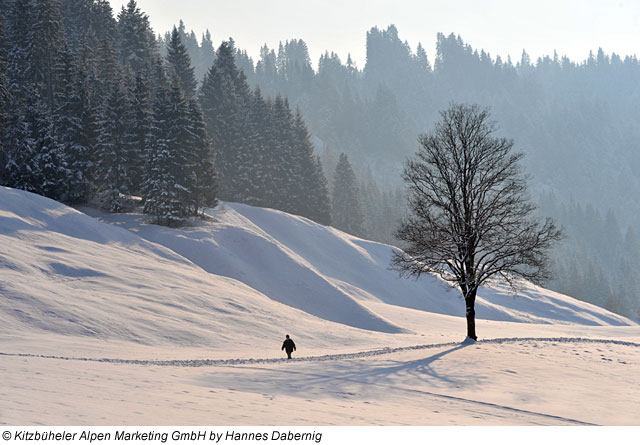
x=246 y=274
x=64 y=273
x=334 y=276
x=106 y=319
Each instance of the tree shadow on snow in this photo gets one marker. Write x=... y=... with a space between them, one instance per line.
x=344 y=378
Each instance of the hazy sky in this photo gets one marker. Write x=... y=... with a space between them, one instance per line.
x=503 y=27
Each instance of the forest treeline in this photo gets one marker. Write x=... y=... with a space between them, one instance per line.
x=91 y=109
x=575 y=121
x=94 y=105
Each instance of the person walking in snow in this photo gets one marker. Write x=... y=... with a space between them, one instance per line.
x=288 y=346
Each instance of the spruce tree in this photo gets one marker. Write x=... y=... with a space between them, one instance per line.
x=266 y=71
x=141 y=116
x=180 y=62
x=181 y=147
x=75 y=127
x=86 y=52
x=84 y=162
x=20 y=71
x=283 y=190
x=165 y=193
x=112 y=181
x=313 y=201
x=347 y=212
x=78 y=16
x=255 y=180
x=107 y=73
x=35 y=158
x=21 y=169
x=224 y=97
x=52 y=161
x=46 y=42
x=371 y=199
x=205 y=183
x=151 y=184
x=207 y=56
x=320 y=210
x=136 y=39
x=102 y=19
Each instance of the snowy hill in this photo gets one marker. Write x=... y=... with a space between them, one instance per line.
x=108 y=293
x=68 y=273
x=62 y=272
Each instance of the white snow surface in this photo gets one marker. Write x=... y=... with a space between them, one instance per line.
x=108 y=319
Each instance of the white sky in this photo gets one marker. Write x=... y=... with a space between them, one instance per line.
x=504 y=27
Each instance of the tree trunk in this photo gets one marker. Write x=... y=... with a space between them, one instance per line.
x=470 y=301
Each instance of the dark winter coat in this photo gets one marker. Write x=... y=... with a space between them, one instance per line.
x=289 y=345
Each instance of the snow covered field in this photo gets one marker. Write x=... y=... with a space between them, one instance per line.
x=106 y=319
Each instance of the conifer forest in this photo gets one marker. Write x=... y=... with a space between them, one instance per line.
x=99 y=108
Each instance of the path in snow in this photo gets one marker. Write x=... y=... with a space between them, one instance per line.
x=526 y=380
x=319 y=358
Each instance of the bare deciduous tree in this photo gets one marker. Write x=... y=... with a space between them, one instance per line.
x=470 y=218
